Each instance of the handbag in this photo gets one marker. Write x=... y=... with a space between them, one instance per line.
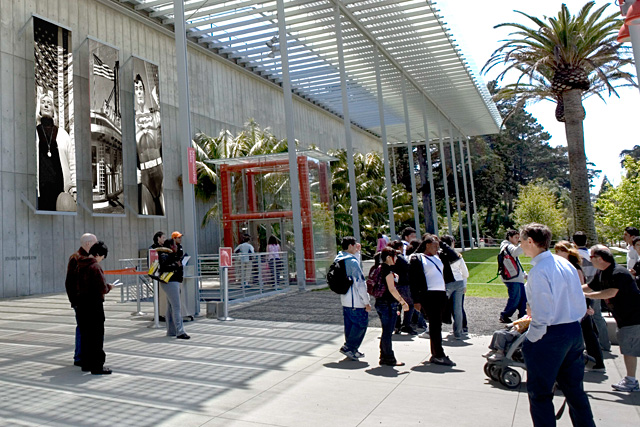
x=155 y=274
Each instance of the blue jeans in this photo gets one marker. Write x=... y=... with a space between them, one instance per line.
x=557 y=357
x=388 y=312
x=173 y=316
x=455 y=290
x=355 y=326
x=517 y=300
x=77 y=357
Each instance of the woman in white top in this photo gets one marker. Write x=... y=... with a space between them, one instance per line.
x=245 y=250
x=457 y=289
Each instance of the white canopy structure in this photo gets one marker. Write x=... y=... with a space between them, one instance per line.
x=410 y=36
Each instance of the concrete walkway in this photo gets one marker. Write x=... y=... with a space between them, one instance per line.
x=253 y=373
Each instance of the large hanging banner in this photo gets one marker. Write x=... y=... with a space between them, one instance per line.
x=106 y=129
x=55 y=145
x=146 y=94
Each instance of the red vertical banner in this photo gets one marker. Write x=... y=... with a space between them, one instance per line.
x=307 y=225
x=225 y=184
x=193 y=174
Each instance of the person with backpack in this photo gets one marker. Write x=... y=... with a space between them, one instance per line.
x=513 y=276
x=387 y=301
x=355 y=301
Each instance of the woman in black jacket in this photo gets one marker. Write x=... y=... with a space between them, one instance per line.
x=170 y=261
x=429 y=270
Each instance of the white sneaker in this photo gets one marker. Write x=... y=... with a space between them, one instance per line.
x=424 y=335
x=626 y=384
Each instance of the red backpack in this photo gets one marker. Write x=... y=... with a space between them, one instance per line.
x=376 y=287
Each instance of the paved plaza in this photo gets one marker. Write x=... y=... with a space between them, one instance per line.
x=254 y=373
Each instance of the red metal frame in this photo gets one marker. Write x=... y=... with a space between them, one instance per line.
x=256 y=168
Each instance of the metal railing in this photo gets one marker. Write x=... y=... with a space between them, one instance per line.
x=135 y=287
x=251 y=276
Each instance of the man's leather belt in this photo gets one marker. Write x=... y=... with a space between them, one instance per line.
x=151 y=163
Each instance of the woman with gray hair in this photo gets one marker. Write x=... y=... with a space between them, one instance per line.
x=56 y=159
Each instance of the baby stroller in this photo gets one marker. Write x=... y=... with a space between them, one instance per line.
x=500 y=370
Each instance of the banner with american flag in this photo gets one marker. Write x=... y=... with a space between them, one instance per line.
x=106 y=129
x=54 y=69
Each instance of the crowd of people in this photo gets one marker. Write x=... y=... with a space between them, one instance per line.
x=559 y=305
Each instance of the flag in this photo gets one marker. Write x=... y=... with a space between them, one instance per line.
x=101 y=69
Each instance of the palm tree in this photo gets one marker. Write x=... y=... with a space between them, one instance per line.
x=566 y=59
x=251 y=141
x=372 y=204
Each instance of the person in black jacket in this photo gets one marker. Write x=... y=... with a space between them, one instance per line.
x=429 y=270
x=92 y=287
x=401 y=268
x=388 y=305
x=170 y=261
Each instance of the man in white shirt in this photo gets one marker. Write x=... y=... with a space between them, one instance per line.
x=355 y=303
x=632 y=255
x=553 y=346
x=408 y=234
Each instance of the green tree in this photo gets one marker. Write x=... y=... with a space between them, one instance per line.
x=619 y=207
x=566 y=59
x=372 y=202
x=537 y=203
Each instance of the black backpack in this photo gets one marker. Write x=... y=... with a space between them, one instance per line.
x=337 y=277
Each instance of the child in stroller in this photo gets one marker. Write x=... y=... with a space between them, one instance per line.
x=506 y=352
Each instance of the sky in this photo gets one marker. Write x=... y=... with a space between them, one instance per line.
x=608 y=127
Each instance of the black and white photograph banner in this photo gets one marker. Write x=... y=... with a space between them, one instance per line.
x=146 y=90
x=106 y=129
x=55 y=145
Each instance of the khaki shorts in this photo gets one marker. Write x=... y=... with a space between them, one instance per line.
x=629 y=339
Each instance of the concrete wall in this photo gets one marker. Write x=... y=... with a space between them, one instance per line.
x=34 y=248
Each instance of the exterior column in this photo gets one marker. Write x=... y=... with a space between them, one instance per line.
x=184 y=135
x=455 y=182
x=412 y=169
x=473 y=193
x=443 y=166
x=432 y=187
x=347 y=129
x=466 y=193
x=291 y=148
x=385 y=148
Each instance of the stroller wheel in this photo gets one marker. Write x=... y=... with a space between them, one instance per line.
x=495 y=372
x=510 y=378
x=487 y=369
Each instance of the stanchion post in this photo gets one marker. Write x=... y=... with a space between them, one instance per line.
x=225 y=262
x=156 y=306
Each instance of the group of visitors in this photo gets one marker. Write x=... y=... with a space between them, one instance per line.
x=424 y=276
x=86 y=287
x=564 y=294
x=559 y=307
